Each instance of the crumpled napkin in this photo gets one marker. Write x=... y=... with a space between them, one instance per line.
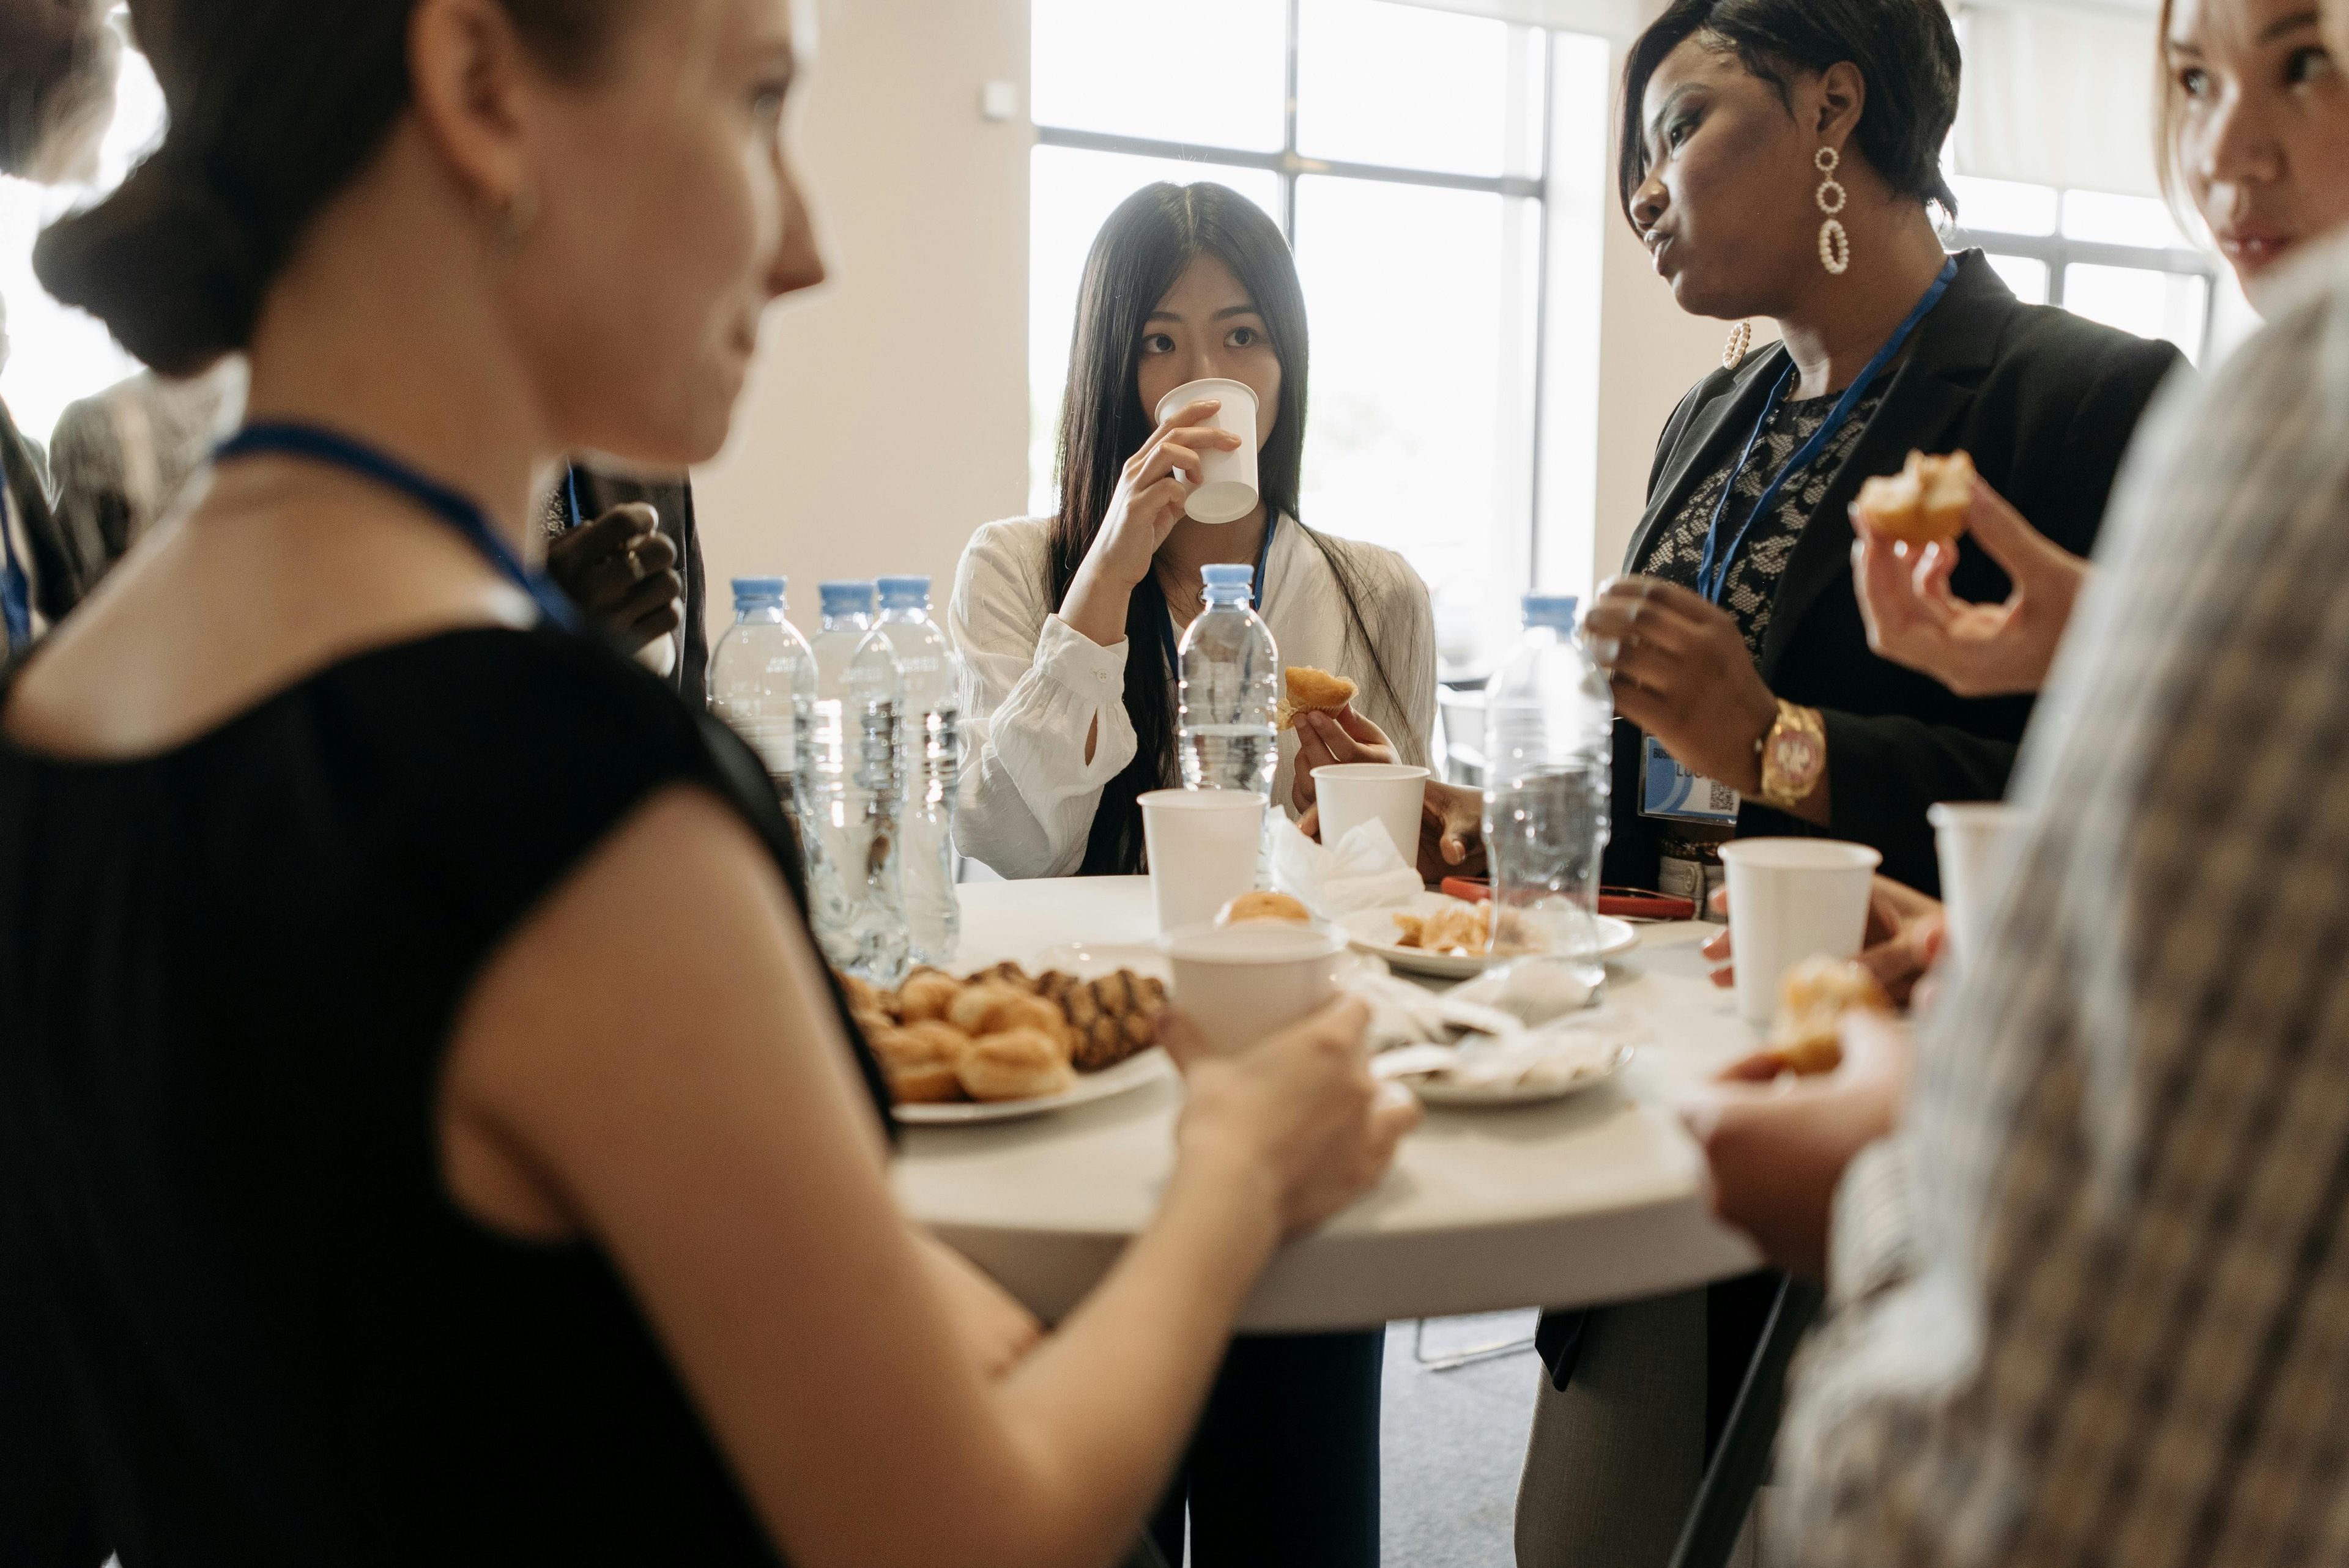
x=1403 y=1014
x=1532 y=991
x=1558 y=1053
x=1361 y=870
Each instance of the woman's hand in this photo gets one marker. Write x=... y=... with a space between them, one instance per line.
x=1324 y=739
x=1906 y=933
x=1144 y=510
x=621 y=569
x=1298 y=1110
x=1776 y=1154
x=1975 y=650
x=1681 y=672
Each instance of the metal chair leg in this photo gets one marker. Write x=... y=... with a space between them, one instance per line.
x=1453 y=1361
x=1726 y=1494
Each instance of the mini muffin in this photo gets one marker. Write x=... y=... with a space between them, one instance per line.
x=920 y=1060
x=1015 y=1064
x=993 y=1007
x=1263 y=905
x=927 y=995
x=1312 y=691
x=1925 y=502
x=861 y=995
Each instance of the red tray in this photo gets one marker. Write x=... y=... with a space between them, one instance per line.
x=1622 y=902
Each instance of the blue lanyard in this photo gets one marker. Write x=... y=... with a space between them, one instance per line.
x=15 y=587
x=1711 y=578
x=1167 y=623
x=457 y=511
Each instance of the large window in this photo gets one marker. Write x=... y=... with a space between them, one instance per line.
x=2119 y=260
x=55 y=355
x=1405 y=152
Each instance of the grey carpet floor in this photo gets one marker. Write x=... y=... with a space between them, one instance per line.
x=1452 y=1444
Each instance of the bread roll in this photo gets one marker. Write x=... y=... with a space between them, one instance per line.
x=1312 y=691
x=993 y=1007
x=920 y=1061
x=1925 y=502
x=927 y=995
x=1015 y=1064
x=1263 y=905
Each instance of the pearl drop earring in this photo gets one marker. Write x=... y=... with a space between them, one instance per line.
x=1835 y=245
x=1740 y=339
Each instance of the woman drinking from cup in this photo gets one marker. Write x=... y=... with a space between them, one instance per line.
x=2254 y=137
x=1778 y=159
x=427 y=1133
x=1070 y=625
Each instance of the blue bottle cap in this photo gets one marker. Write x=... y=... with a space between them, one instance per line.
x=1227 y=576
x=750 y=592
x=846 y=598
x=1551 y=610
x=904 y=592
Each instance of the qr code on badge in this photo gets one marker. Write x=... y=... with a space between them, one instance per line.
x=1722 y=797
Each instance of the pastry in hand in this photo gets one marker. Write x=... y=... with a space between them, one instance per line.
x=1807 y=1038
x=1926 y=502
x=1312 y=691
x=1014 y=1063
x=1263 y=905
x=920 y=1061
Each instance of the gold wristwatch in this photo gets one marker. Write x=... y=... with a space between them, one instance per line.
x=1794 y=757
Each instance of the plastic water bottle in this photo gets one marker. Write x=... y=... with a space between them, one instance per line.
x=762 y=682
x=1548 y=728
x=930 y=764
x=851 y=793
x=1228 y=707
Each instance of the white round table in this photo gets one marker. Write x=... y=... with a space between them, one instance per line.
x=1593 y=1198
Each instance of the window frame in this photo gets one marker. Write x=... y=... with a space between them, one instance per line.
x=2058 y=253
x=1289 y=164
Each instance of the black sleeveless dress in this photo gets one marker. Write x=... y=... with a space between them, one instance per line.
x=241 y=1322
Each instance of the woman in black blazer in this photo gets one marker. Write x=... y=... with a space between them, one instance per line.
x=1723 y=177
x=1778 y=158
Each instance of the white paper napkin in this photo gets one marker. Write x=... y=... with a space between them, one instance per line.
x=1361 y=870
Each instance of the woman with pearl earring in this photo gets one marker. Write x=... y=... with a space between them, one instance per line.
x=1780 y=159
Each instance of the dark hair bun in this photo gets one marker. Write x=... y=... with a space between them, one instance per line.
x=164 y=263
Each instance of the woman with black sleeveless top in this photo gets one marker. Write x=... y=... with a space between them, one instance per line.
x=426 y=1133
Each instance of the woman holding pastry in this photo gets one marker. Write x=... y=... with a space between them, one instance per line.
x=1069 y=623
x=1068 y=626
x=2255 y=138
x=490 y=1171
x=1780 y=159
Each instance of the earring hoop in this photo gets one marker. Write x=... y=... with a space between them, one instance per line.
x=1740 y=339
x=1835 y=243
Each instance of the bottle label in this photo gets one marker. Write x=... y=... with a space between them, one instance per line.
x=1669 y=791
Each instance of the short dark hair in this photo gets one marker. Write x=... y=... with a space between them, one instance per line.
x=1906 y=50
x=275 y=107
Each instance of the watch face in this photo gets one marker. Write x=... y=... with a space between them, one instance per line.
x=1796 y=755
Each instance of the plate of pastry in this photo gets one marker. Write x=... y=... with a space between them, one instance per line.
x=1451 y=938
x=1001 y=1043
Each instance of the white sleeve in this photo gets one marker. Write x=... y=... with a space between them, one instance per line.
x=1033 y=688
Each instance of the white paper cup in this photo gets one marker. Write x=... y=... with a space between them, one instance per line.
x=1227 y=489
x=1792 y=899
x=1203 y=847
x=1976 y=844
x=1240 y=982
x=1352 y=793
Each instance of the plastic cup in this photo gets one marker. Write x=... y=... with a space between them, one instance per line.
x=1203 y=847
x=1352 y=793
x=1227 y=489
x=1792 y=899
x=1975 y=843
x=1240 y=982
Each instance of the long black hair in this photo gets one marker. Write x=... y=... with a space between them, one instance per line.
x=1905 y=50
x=1141 y=251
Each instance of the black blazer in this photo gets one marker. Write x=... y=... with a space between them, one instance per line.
x=2046 y=403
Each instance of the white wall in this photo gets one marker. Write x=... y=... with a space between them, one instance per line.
x=887 y=415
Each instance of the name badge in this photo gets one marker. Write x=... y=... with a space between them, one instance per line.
x=1671 y=792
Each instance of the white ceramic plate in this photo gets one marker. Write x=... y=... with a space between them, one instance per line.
x=1374 y=931
x=1437 y=1090
x=1147 y=1067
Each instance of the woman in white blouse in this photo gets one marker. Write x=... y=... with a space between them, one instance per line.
x=1066 y=623
x=1065 y=620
